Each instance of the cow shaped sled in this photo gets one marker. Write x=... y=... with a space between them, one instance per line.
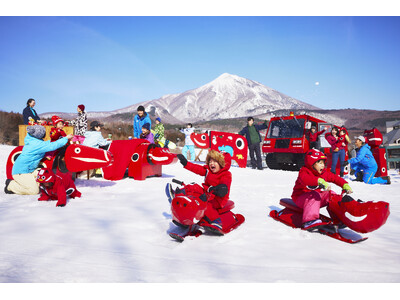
x=359 y=216
x=188 y=208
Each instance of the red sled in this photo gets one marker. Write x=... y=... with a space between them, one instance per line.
x=292 y=216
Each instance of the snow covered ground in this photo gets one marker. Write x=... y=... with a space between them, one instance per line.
x=117 y=232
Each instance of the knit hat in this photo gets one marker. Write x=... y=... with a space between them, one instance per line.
x=146 y=126
x=81 y=107
x=56 y=119
x=140 y=108
x=158 y=119
x=37 y=131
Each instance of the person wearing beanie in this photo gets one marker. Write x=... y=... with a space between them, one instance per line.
x=159 y=130
x=80 y=124
x=30 y=115
x=57 y=131
x=25 y=168
x=94 y=137
x=139 y=120
x=146 y=133
x=253 y=137
x=364 y=164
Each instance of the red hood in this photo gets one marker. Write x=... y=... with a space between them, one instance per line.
x=228 y=162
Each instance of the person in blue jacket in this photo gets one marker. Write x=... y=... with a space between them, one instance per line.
x=94 y=138
x=253 y=137
x=29 y=114
x=365 y=162
x=139 y=120
x=25 y=168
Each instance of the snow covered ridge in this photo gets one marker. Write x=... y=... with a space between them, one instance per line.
x=228 y=96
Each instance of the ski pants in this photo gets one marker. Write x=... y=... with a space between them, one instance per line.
x=190 y=148
x=311 y=202
x=25 y=184
x=256 y=162
x=338 y=156
x=369 y=174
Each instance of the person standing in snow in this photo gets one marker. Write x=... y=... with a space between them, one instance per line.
x=29 y=114
x=139 y=120
x=80 y=124
x=159 y=130
x=189 y=144
x=253 y=137
x=364 y=163
x=25 y=168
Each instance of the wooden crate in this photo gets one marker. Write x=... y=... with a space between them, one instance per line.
x=22 y=132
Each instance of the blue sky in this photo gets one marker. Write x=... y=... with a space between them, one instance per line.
x=109 y=63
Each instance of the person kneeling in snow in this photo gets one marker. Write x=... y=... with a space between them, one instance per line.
x=216 y=186
x=56 y=187
x=364 y=164
x=308 y=193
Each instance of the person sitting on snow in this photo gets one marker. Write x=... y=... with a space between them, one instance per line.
x=146 y=133
x=216 y=186
x=308 y=193
x=364 y=163
x=56 y=187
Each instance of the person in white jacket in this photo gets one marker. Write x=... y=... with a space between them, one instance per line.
x=189 y=145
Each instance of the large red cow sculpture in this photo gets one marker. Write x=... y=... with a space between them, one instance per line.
x=232 y=143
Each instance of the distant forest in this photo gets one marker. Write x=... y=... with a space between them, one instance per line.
x=9 y=127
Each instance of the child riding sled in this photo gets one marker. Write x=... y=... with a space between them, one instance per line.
x=308 y=191
x=212 y=195
x=312 y=191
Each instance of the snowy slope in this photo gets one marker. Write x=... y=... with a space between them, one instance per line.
x=117 y=232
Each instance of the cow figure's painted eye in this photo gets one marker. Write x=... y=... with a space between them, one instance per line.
x=240 y=143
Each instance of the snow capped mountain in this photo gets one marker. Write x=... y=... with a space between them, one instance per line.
x=228 y=96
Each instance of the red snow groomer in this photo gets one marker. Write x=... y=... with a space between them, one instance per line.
x=374 y=139
x=286 y=142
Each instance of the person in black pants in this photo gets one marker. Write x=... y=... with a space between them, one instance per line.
x=253 y=137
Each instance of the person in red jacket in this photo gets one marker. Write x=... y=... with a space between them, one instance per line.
x=56 y=187
x=216 y=186
x=313 y=135
x=312 y=191
x=57 y=131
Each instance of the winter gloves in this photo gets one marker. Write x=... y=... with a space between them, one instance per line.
x=220 y=190
x=347 y=188
x=323 y=184
x=182 y=160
